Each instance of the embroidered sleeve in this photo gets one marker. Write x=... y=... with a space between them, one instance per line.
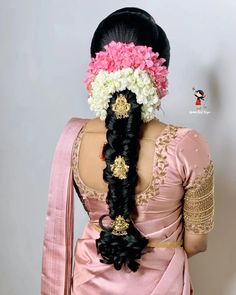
x=197 y=172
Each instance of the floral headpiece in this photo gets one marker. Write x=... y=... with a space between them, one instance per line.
x=126 y=65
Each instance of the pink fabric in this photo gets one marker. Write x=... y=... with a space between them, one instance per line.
x=58 y=232
x=163 y=271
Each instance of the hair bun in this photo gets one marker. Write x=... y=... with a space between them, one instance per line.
x=134 y=10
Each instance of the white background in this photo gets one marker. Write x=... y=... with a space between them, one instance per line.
x=44 y=52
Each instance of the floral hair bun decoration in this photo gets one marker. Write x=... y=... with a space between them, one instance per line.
x=126 y=66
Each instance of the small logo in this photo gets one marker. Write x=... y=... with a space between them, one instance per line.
x=200 y=102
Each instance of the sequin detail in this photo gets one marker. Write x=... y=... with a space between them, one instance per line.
x=159 y=168
x=198 y=209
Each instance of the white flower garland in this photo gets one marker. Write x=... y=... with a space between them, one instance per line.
x=136 y=80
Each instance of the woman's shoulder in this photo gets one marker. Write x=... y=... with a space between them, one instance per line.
x=95 y=125
x=185 y=136
x=151 y=129
x=193 y=147
x=167 y=129
x=188 y=134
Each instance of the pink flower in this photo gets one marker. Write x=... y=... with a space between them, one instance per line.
x=119 y=55
x=149 y=63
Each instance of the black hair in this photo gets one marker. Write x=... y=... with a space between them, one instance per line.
x=129 y=24
x=200 y=91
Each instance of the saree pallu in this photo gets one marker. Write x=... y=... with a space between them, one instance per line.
x=57 y=256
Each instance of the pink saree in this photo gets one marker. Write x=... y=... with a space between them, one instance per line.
x=56 y=276
x=163 y=270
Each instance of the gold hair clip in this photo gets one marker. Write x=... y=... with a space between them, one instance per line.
x=119 y=226
x=119 y=168
x=121 y=107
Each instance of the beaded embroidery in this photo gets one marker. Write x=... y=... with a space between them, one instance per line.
x=198 y=209
x=159 y=168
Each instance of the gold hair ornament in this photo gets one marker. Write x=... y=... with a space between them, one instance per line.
x=121 y=107
x=119 y=226
x=119 y=168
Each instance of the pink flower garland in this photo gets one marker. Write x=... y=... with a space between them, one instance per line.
x=119 y=55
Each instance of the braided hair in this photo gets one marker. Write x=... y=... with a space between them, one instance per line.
x=135 y=25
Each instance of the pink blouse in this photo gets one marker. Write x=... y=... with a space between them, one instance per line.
x=179 y=197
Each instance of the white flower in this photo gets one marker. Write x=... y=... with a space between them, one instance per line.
x=137 y=81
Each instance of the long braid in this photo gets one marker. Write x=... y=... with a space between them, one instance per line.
x=122 y=139
x=127 y=25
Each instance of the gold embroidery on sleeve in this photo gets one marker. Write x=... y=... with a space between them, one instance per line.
x=198 y=209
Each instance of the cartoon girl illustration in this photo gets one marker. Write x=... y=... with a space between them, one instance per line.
x=200 y=96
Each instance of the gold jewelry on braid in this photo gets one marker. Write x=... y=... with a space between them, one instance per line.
x=121 y=107
x=119 y=226
x=119 y=168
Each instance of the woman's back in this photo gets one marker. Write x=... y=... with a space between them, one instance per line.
x=91 y=145
x=167 y=164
